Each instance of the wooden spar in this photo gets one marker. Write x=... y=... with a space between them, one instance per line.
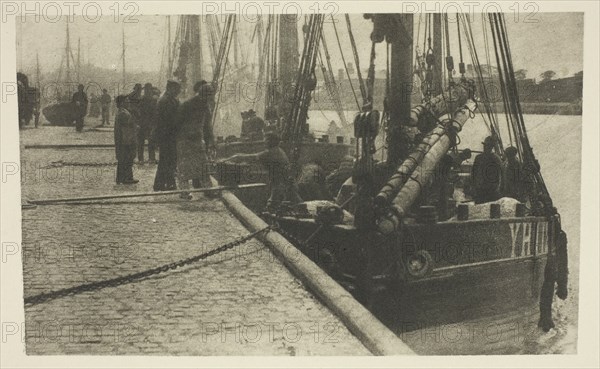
x=422 y=115
x=146 y=194
x=426 y=168
x=398 y=179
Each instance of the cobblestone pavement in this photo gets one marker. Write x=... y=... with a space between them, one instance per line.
x=240 y=302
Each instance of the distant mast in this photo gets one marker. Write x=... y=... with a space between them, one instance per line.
x=68 y=53
x=78 y=58
x=123 y=43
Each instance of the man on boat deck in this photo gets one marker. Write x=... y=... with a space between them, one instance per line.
x=165 y=136
x=124 y=142
x=513 y=181
x=147 y=123
x=195 y=138
x=81 y=104
x=253 y=128
x=277 y=163
x=487 y=172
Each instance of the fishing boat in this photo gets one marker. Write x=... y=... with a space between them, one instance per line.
x=385 y=240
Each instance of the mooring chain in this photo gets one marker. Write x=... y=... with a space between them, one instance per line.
x=60 y=163
x=94 y=286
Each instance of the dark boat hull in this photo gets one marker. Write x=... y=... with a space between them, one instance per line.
x=480 y=267
x=61 y=114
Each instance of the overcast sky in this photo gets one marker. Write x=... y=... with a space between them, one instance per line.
x=555 y=42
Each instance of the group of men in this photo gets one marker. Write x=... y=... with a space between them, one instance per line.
x=493 y=178
x=181 y=132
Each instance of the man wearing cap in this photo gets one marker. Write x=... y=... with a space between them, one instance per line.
x=147 y=123
x=487 y=173
x=513 y=181
x=165 y=136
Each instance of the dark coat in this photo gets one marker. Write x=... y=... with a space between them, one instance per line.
x=166 y=114
x=81 y=102
x=194 y=134
x=125 y=132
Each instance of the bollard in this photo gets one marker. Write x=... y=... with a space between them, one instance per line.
x=494 y=211
x=462 y=212
x=520 y=210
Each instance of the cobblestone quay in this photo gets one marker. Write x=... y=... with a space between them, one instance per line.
x=240 y=302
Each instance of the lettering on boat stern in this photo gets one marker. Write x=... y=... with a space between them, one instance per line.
x=523 y=241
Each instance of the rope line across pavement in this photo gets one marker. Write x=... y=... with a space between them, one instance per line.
x=136 y=277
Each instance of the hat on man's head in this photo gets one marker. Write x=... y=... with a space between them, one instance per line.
x=148 y=86
x=511 y=151
x=251 y=111
x=489 y=140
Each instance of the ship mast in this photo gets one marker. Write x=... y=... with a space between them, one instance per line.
x=288 y=62
x=437 y=85
x=401 y=65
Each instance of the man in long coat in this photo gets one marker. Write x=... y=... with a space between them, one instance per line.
x=125 y=142
x=165 y=136
x=195 y=138
x=487 y=173
x=80 y=100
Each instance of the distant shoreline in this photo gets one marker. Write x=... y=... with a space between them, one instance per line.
x=555 y=108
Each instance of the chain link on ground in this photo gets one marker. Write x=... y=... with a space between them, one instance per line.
x=135 y=277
